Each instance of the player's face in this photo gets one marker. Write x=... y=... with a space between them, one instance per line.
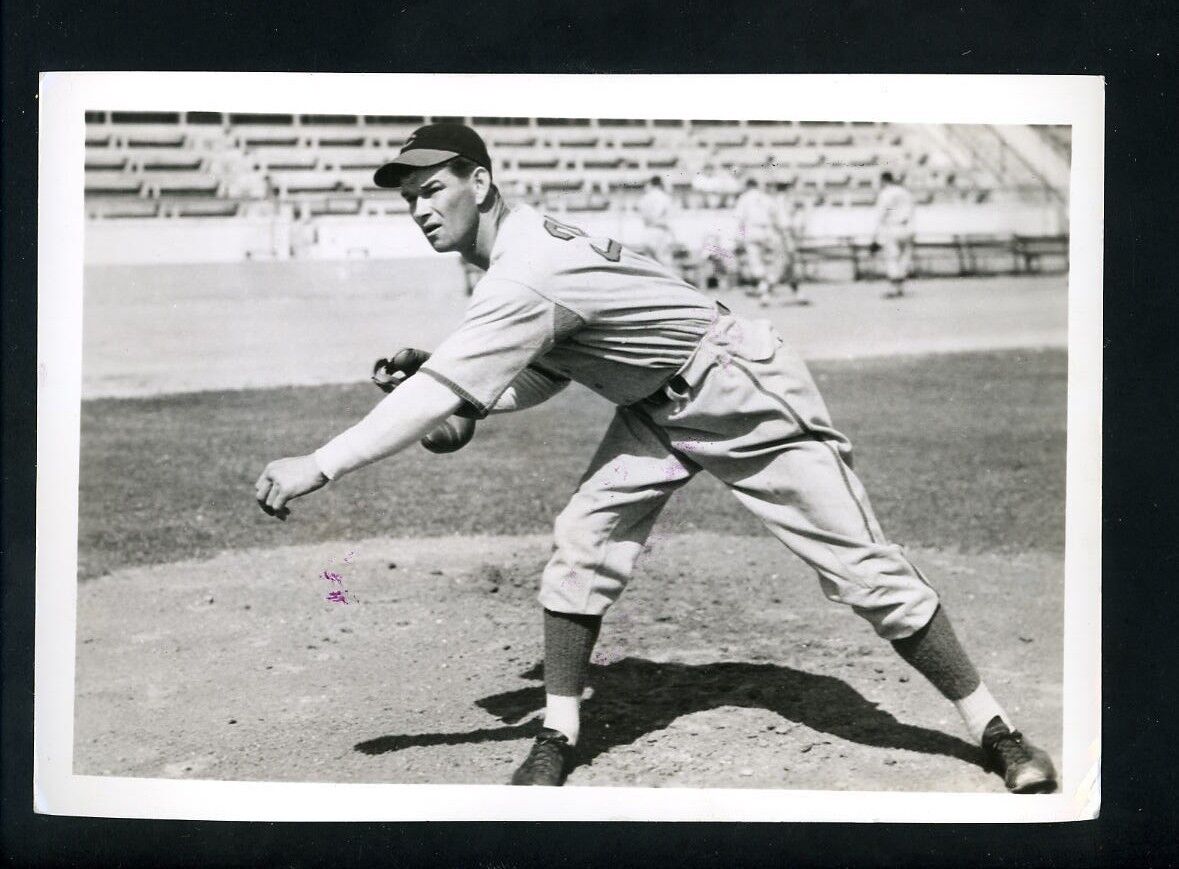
x=444 y=206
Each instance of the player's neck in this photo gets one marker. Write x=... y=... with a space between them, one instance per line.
x=489 y=223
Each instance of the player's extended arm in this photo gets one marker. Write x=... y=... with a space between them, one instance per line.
x=530 y=388
x=403 y=417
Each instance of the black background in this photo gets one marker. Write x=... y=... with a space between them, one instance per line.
x=1131 y=44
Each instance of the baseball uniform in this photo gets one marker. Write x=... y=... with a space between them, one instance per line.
x=654 y=208
x=895 y=230
x=793 y=233
x=758 y=228
x=697 y=389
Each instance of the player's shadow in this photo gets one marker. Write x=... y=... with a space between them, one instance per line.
x=634 y=697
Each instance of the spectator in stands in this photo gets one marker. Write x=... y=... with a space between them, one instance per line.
x=894 y=233
x=655 y=208
x=759 y=236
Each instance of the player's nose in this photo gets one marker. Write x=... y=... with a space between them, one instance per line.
x=421 y=212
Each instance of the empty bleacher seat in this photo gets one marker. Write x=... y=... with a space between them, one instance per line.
x=517 y=141
x=155 y=164
x=341 y=142
x=500 y=122
x=99 y=161
x=120 y=185
x=328 y=120
x=566 y=184
x=206 y=208
x=578 y=142
x=270 y=141
x=156 y=140
x=120 y=208
x=550 y=163
x=337 y=207
x=287 y=159
x=187 y=187
x=260 y=120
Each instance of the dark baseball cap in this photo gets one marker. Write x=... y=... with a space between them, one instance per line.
x=431 y=145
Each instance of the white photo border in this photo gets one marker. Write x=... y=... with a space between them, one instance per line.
x=64 y=97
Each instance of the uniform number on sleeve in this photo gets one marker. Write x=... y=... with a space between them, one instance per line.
x=565 y=232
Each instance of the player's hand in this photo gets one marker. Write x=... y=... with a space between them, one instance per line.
x=285 y=480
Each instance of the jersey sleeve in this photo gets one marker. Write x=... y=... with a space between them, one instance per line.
x=532 y=386
x=507 y=325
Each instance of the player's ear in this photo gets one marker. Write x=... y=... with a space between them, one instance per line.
x=481 y=182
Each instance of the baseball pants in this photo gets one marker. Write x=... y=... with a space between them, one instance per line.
x=658 y=243
x=746 y=410
x=897 y=250
x=763 y=257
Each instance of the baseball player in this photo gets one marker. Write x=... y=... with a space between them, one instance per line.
x=696 y=388
x=654 y=207
x=759 y=232
x=894 y=232
x=793 y=231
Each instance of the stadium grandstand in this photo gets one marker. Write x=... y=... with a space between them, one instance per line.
x=212 y=186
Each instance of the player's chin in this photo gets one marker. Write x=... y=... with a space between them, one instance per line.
x=441 y=242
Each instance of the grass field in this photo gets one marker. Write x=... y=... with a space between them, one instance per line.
x=206 y=648
x=963 y=452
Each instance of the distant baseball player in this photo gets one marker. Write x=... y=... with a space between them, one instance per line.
x=759 y=234
x=655 y=208
x=696 y=388
x=894 y=232
x=793 y=231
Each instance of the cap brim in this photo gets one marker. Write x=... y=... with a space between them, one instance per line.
x=391 y=173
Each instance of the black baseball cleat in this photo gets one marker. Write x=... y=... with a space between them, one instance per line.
x=1025 y=768
x=549 y=761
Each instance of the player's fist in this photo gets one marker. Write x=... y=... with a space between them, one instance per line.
x=453 y=434
x=286 y=479
x=390 y=373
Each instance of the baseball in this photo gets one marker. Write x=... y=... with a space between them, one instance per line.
x=450 y=436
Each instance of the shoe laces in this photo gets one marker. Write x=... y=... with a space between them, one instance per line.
x=1010 y=747
x=548 y=751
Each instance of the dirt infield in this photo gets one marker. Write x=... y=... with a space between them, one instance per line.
x=706 y=676
x=162 y=329
x=206 y=648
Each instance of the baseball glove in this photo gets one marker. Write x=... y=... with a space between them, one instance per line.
x=390 y=373
x=450 y=435
x=874 y=247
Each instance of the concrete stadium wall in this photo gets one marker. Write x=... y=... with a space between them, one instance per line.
x=129 y=241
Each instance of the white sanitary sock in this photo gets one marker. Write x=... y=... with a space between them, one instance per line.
x=563 y=714
x=977 y=709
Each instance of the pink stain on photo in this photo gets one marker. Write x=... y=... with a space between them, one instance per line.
x=337 y=596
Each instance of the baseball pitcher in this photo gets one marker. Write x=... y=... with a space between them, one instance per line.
x=697 y=390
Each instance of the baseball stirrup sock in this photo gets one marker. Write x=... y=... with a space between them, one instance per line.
x=977 y=710
x=568 y=641
x=935 y=653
